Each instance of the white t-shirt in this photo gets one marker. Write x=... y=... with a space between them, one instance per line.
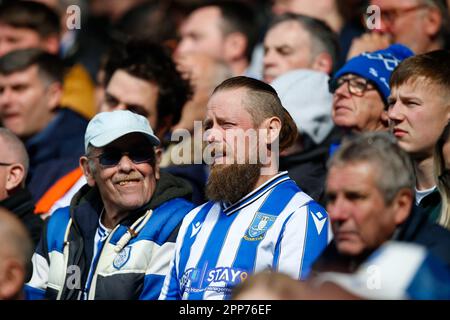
x=420 y=194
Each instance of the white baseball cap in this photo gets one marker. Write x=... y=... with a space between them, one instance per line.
x=106 y=127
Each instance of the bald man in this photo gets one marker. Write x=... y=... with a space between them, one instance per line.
x=15 y=254
x=13 y=194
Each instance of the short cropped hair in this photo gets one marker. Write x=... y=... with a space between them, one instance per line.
x=323 y=38
x=262 y=103
x=31 y=15
x=15 y=147
x=237 y=17
x=393 y=166
x=433 y=66
x=50 y=67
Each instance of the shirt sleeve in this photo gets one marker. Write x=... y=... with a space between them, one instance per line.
x=35 y=289
x=303 y=238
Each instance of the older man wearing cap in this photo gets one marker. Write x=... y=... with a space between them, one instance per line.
x=116 y=239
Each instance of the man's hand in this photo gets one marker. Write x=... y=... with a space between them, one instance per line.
x=369 y=42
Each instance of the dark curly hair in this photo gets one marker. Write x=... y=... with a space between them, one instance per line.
x=150 y=61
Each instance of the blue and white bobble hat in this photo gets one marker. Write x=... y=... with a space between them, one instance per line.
x=377 y=66
x=396 y=271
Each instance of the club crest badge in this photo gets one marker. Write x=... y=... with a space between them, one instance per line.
x=259 y=226
x=122 y=258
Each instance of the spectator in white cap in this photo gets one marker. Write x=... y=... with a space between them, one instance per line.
x=116 y=239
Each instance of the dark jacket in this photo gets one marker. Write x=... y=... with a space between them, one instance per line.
x=21 y=204
x=138 y=278
x=308 y=167
x=55 y=151
x=416 y=229
x=430 y=206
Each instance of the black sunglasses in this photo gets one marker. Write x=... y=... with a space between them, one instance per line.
x=5 y=164
x=111 y=158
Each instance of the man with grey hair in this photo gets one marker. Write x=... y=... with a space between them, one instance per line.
x=296 y=41
x=15 y=255
x=370 y=191
x=116 y=239
x=14 y=196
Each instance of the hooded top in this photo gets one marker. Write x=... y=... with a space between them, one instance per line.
x=304 y=94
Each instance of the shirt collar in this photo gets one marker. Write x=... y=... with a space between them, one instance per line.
x=255 y=194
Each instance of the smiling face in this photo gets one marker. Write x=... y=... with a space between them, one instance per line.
x=360 y=217
x=126 y=186
x=418 y=113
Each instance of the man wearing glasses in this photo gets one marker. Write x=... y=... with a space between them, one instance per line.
x=116 y=239
x=422 y=25
x=361 y=89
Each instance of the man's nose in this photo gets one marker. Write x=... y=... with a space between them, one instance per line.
x=5 y=96
x=394 y=112
x=343 y=90
x=213 y=135
x=125 y=163
x=338 y=210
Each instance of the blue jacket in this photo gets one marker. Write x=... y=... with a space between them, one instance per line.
x=55 y=151
x=134 y=269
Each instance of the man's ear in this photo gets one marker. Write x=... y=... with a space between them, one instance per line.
x=16 y=175
x=158 y=155
x=402 y=205
x=433 y=22
x=273 y=127
x=323 y=62
x=51 y=44
x=12 y=279
x=54 y=95
x=235 y=45
x=84 y=165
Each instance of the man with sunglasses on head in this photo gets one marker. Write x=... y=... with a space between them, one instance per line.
x=361 y=89
x=116 y=239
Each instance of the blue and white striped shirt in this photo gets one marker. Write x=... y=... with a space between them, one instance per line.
x=277 y=226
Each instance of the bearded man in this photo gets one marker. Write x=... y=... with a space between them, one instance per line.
x=257 y=218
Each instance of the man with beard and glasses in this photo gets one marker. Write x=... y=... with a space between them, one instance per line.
x=257 y=218
x=117 y=238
